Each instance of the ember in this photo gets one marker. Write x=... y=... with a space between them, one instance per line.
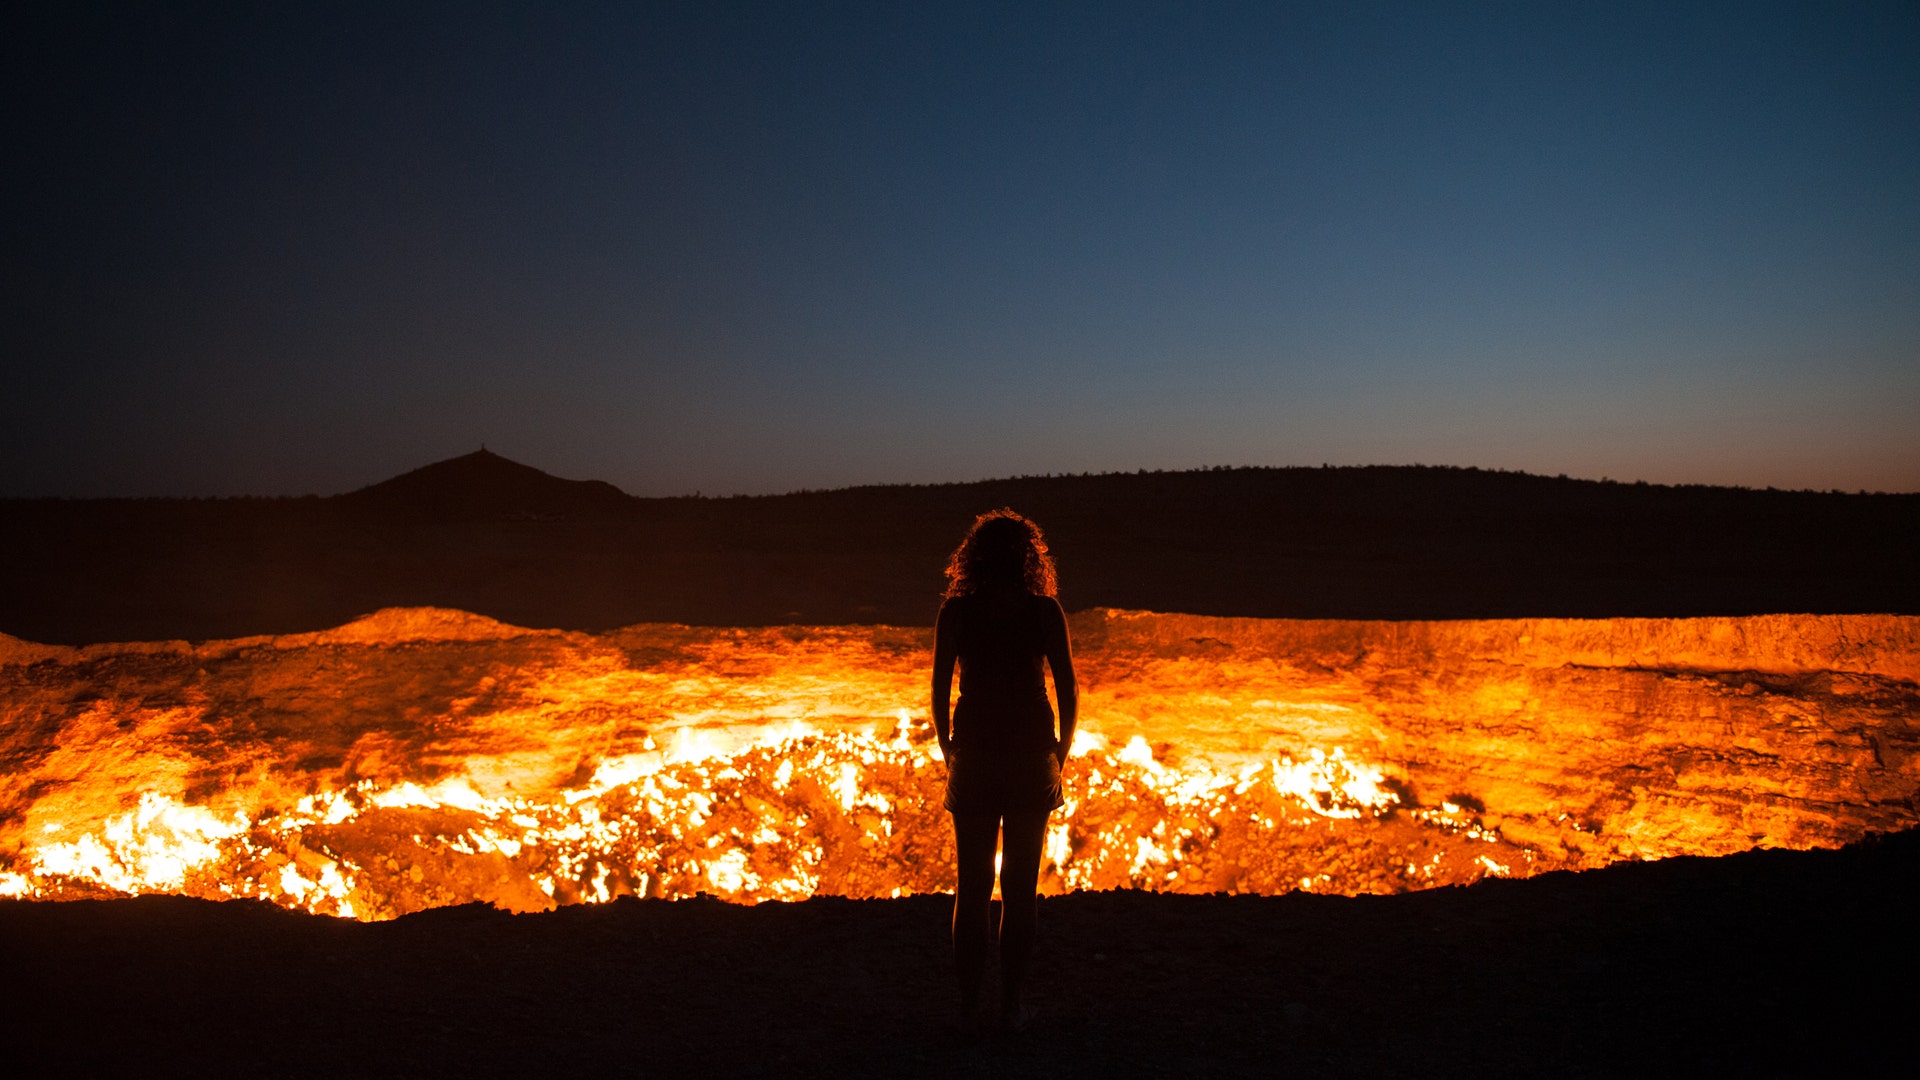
x=422 y=757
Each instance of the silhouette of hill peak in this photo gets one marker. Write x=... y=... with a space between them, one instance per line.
x=484 y=484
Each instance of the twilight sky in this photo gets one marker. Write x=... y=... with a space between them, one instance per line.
x=762 y=247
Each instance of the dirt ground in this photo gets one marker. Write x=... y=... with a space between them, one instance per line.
x=1771 y=962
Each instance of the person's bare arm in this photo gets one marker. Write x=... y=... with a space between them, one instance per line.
x=943 y=656
x=1060 y=659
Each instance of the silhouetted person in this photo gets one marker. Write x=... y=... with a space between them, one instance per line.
x=1001 y=623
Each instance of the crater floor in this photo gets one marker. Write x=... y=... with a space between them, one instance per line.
x=423 y=757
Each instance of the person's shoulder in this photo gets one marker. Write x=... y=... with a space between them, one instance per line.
x=946 y=624
x=1047 y=607
x=1048 y=618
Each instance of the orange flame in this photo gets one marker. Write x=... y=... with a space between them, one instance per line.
x=528 y=769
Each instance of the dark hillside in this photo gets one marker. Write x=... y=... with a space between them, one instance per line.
x=488 y=535
x=484 y=486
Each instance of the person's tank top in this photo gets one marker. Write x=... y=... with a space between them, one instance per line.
x=1002 y=651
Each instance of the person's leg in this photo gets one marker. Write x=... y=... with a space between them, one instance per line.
x=1021 y=845
x=974 y=838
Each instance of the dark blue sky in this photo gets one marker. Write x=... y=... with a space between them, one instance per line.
x=750 y=249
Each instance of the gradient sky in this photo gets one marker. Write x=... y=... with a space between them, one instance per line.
x=758 y=248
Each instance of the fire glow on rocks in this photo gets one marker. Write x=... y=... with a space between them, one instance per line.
x=422 y=757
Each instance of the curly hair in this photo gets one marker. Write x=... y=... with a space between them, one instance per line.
x=1002 y=548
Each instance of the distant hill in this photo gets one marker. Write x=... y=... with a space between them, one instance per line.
x=488 y=535
x=486 y=485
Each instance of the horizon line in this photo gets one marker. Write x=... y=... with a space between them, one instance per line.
x=1063 y=475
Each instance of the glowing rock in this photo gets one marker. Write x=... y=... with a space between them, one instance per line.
x=425 y=757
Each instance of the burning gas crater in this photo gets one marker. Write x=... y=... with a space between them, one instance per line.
x=422 y=757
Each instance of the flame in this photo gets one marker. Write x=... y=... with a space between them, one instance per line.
x=1331 y=786
x=793 y=762
x=151 y=849
x=843 y=813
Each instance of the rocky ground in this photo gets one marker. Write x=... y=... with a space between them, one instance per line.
x=1506 y=746
x=1765 y=963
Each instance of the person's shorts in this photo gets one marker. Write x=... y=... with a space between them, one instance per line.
x=1002 y=782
